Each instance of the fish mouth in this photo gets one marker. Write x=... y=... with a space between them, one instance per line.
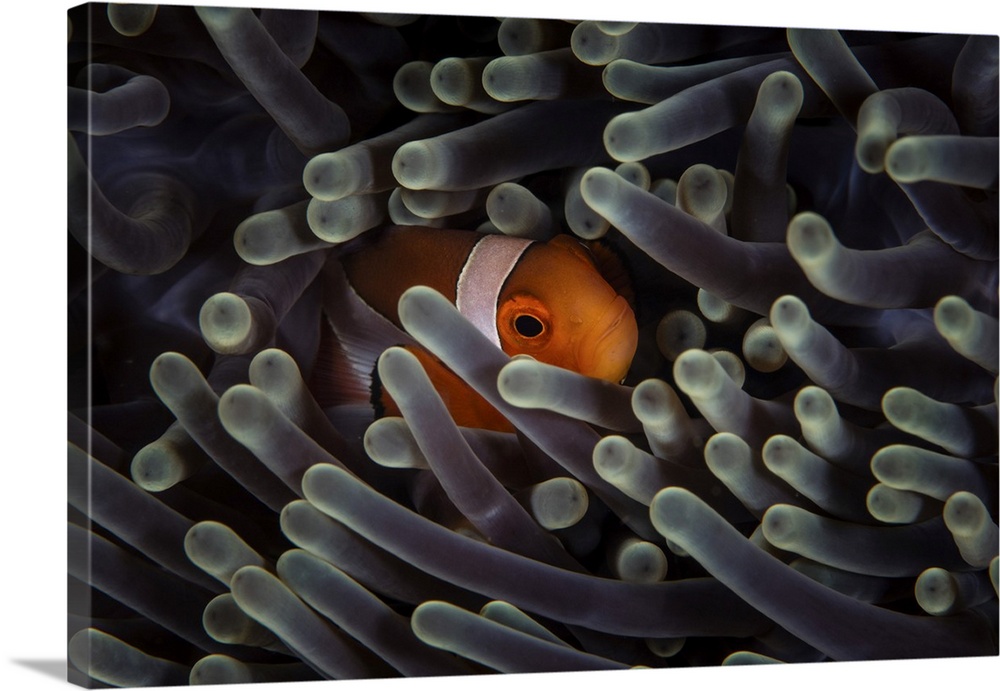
x=607 y=350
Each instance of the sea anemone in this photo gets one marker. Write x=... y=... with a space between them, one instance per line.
x=801 y=464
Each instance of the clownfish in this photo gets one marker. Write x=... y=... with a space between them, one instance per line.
x=563 y=302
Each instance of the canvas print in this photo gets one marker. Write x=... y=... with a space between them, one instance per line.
x=418 y=345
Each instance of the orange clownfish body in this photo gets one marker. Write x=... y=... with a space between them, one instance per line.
x=548 y=300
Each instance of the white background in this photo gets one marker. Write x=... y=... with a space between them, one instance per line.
x=32 y=362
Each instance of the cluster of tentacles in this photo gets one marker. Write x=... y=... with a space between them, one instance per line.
x=800 y=466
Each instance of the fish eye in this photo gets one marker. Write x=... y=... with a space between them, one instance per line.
x=528 y=326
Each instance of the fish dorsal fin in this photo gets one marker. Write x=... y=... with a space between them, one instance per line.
x=403 y=257
x=353 y=337
x=335 y=380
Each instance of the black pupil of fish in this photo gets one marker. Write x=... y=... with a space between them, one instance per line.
x=528 y=326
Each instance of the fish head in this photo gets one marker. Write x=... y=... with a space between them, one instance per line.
x=558 y=308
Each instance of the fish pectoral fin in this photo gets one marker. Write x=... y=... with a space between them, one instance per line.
x=611 y=265
x=605 y=258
